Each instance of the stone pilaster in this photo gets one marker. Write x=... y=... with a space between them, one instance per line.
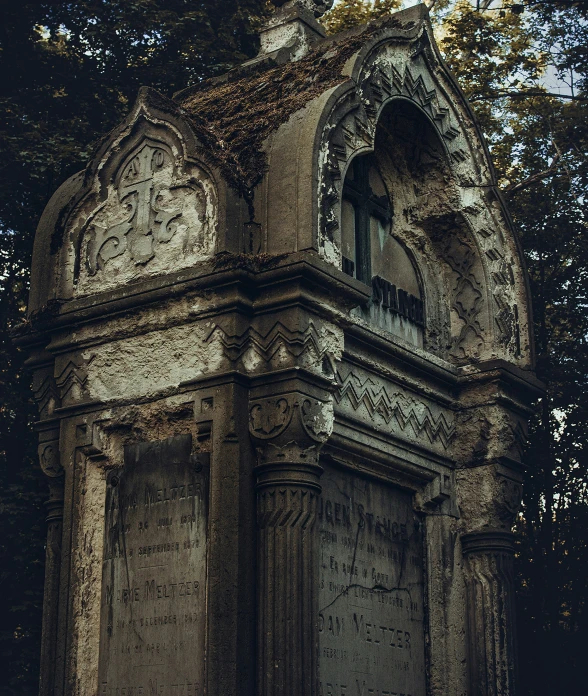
x=495 y=404
x=49 y=459
x=288 y=432
x=489 y=576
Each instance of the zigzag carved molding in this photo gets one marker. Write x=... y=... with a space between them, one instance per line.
x=267 y=345
x=286 y=507
x=357 y=128
x=73 y=376
x=46 y=396
x=406 y=412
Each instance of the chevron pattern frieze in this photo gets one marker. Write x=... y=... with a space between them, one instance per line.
x=297 y=343
x=396 y=409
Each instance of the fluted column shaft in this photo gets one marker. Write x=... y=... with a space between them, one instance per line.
x=490 y=591
x=288 y=432
x=287 y=633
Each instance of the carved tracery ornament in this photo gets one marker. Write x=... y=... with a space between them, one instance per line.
x=159 y=212
x=351 y=131
x=151 y=210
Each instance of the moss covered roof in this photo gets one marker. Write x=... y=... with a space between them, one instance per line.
x=234 y=117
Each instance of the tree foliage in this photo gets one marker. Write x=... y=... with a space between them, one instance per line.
x=346 y=15
x=539 y=145
x=69 y=73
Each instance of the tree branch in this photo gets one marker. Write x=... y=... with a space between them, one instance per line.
x=534 y=178
x=523 y=95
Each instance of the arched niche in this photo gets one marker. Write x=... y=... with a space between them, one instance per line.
x=421 y=258
x=459 y=219
x=374 y=255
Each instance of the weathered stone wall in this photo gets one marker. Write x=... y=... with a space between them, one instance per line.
x=182 y=290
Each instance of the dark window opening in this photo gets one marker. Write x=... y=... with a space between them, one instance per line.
x=365 y=202
x=373 y=255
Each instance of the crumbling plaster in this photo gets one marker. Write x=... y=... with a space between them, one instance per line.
x=468 y=207
x=151 y=212
x=387 y=61
x=150 y=334
x=99 y=440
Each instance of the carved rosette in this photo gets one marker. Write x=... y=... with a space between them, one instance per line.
x=288 y=432
x=49 y=459
x=490 y=593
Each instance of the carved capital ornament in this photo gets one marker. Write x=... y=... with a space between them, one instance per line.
x=290 y=428
x=49 y=459
x=288 y=431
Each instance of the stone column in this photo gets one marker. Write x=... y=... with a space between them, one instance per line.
x=49 y=458
x=489 y=499
x=288 y=432
x=490 y=593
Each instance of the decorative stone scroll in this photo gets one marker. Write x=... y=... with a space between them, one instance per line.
x=158 y=214
x=291 y=427
x=49 y=459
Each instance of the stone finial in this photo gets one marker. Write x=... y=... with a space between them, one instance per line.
x=317 y=7
x=293 y=29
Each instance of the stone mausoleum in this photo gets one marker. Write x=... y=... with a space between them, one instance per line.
x=281 y=343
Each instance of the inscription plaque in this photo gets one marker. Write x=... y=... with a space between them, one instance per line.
x=371 y=619
x=153 y=609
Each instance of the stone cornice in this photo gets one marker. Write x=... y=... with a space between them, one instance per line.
x=245 y=275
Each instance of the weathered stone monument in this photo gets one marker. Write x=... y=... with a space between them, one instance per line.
x=281 y=344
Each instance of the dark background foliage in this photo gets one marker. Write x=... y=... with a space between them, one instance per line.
x=69 y=72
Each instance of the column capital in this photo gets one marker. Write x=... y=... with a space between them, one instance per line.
x=289 y=430
x=489 y=497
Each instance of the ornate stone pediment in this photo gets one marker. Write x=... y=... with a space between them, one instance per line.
x=459 y=230
x=158 y=214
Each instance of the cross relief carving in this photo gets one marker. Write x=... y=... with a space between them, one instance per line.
x=151 y=203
